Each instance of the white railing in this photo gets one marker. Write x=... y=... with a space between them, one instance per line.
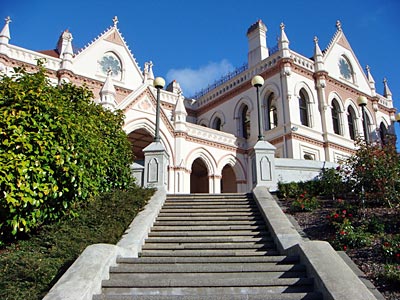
x=213 y=135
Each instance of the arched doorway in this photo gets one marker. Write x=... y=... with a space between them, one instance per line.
x=228 y=181
x=139 y=140
x=199 y=177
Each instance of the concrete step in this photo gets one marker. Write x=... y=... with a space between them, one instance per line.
x=206 y=246
x=197 y=280
x=208 y=214
x=215 y=233
x=208 y=202
x=209 y=206
x=277 y=259
x=214 y=293
x=210 y=210
x=208 y=222
x=183 y=217
x=209 y=228
x=286 y=270
x=209 y=252
x=209 y=239
x=210 y=294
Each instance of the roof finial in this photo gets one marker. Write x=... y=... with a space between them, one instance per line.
x=368 y=68
x=282 y=26
x=339 y=25
x=315 y=40
x=115 y=20
x=8 y=20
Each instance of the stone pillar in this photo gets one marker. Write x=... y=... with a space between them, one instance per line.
x=155 y=165
x=137 y=173
x=262 y=159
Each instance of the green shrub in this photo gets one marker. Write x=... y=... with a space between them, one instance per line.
x=288 y=190
x=391 y=248
x=391 y=273
x=375 y=173
x=348 y=236
x=304 y=202
x=30 y=267
x=57 y=149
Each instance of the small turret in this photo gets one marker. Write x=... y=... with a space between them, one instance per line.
x=5 y=36
x=180 y=113
x=318 y=57
x=386 y=91
x=371 y=81
x=63 y=41
x=257 y=39
x=284 y=42
x=108 y=93
x=67 y=54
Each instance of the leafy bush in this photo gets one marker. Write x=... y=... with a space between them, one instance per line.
x=30 y=267
x=348 y=236
x=58 y=148
x=375 y=173
x=304 y=202
x=288 y=190
x=391 y=273
x=391 y=248
x=332 y=183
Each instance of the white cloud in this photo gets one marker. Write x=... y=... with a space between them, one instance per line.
x=193 y=80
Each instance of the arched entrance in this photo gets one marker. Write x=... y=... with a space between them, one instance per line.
x=199 y=177
x=139 y=140
x=228 y=181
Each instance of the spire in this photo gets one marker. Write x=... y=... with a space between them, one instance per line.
x=257 y=40
x=5 y=36
x=108 y=93
x=115 y=21
x=284 y=42
x=148 y=75
x=318 y=57
x=371 y=80
x=63 y=41
x=180 y=113
x=67 y=52
x=5 y=32
x=386 y=91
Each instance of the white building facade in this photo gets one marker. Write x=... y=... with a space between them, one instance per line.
x=308 y=105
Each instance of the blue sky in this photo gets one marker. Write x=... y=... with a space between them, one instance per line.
x=196 y=42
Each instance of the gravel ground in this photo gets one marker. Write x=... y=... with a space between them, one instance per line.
x=369 y=259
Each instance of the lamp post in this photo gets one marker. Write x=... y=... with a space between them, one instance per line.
x=257 y=82
x=158 y=83
x=362 y=101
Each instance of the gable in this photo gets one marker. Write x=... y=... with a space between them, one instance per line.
x=109 y=51
x=342 y=64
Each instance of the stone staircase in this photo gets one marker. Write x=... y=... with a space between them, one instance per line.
x=209 y=247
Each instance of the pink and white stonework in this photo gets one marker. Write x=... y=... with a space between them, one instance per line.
x=309 y=107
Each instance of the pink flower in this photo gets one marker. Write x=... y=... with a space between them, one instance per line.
x=344 y=247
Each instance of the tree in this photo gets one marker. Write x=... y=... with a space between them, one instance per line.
x=58 y=148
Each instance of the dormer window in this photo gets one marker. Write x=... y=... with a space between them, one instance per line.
x=345 y=68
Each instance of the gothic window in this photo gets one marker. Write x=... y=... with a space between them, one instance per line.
x=245 y=122
x=217 y=124
x=272 y=115
x=303 y=106
x=336 y=116
x=345 y=69
x=351 y=120
x=110 y=62
x=383 y=132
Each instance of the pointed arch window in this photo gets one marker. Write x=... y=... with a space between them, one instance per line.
x=217 y=124
x=383 y=131
x=345 y=68
x=303 y=107
x=336 y=116
x=245 y=122
x=351 y=121
x=272 y=114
